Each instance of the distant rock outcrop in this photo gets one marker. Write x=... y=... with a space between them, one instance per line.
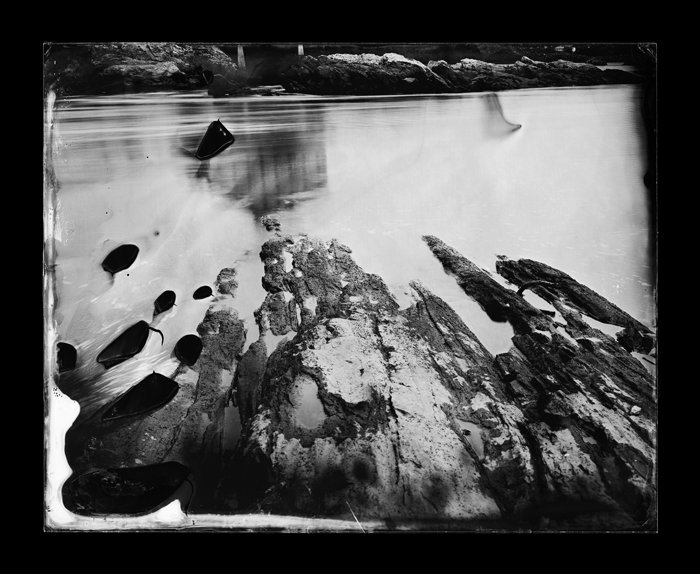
x=368 y=74
x=122 y=66
x=355 y=409
x=119 y=66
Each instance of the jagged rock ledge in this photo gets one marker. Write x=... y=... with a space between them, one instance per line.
x=355 y=409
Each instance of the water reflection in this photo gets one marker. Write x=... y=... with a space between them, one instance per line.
x=277 y=160
x=275 y=172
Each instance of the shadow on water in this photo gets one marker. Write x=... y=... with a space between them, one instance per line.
x=495 y=120
x=269 y=174
x=278 y=158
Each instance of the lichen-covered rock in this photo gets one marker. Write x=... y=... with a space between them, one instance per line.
x=270 y=222
x=226 y=283
x=353 y=412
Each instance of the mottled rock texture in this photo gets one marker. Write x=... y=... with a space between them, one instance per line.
x=588 y=405
x=355 y=409
x=403 y=415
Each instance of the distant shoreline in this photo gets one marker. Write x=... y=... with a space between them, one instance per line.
x=74 y=69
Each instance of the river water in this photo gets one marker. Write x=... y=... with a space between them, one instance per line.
x=376 y=173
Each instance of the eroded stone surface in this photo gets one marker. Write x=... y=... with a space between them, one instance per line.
x=584 y=383
x=419 y=421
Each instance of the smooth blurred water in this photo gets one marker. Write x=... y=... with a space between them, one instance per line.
x=376 y=173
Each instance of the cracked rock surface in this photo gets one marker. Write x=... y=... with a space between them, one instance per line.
x=404 y=415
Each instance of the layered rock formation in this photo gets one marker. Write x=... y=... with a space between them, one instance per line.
x=368 y=74
x=403 y=415
x=355 y=409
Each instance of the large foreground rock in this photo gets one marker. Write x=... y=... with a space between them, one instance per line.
x=368 y=74
x=355 y=409
x=368 y=411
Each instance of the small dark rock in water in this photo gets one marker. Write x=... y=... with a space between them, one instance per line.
x=151 y=393
x=128 y=344
x=164 y=302
x=120 y=258
x=188 y=349
x=203 y=292
x=67 y=357
x=270 y=222
x=126 y=490
x=495 y=311
x=216 y=140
